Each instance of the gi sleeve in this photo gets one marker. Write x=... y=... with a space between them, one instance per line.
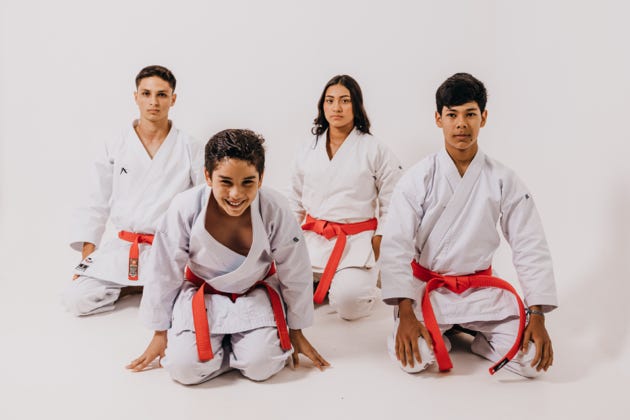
x=523 y=230
x=90 y=216
x=399 y=235
x=164 y=270
x=296 y=188
x=293 y=264
x=387 y=172
x=197 y=163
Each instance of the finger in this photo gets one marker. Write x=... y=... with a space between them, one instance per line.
x=416 y=350
x=296 y=359
x=526 y=337
x=76 y=276
x=537 y=356
x=316 y=357
x=547 y=355
x=427 y=337
x=409 y=353
x=134 y=363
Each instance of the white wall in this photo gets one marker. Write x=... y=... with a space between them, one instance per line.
x=557 y=74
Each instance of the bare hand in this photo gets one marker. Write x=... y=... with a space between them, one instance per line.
x=409 y=330
x=88 y=248
x=301 y=345
x=376 y=246
x=536 y=332
x=156 y=349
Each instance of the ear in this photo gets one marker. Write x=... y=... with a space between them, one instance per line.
x=207 y=176
x=484 y=116
x=438 y=119
x=135 y=97
x=173 y=99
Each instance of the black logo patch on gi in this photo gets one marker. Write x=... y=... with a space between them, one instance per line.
x=81 y=267
x=296 y=239
x=526 y=196
x=123 y=170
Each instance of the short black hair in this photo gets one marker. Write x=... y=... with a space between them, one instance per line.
x=158 y=71
x=235 y=144
x=361 y=120
x=459 y=89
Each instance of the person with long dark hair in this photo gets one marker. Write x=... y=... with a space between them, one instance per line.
x=341 y=185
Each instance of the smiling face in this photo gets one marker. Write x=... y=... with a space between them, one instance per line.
x=460 y=125
x=154 y=98
x=338 y=107
x=234 y=184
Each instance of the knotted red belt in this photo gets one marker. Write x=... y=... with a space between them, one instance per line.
x=330 y=230
x=200 y=318
x=459 y=284
x=134 y=251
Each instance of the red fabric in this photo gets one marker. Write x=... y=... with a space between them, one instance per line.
x=329 y=230
x=200 y=318
x=459 y=284
x=134 y=251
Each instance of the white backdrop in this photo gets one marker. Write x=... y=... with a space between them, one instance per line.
x=557 y=73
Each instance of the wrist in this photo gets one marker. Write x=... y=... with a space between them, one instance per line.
x=535 y=311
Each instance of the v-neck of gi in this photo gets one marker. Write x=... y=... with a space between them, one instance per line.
x=143 y=149
x=255 y=215
x=351 y=136
x=452 y=174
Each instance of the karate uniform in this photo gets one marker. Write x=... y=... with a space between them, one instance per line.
x=351 y=187
x=448 y=224
x=182 y=240
x=132 y=190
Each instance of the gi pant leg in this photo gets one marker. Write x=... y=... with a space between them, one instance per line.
x=494 y=340
x=88 y=296
x=353 y=292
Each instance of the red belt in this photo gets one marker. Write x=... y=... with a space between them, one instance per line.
x=330 y=230
x=200 y=318
x=134 y=251
x=459 y=284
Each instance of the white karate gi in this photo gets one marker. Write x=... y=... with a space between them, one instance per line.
x=133 y=190
x=182 y=239
x=448 y=224
x=351 y=187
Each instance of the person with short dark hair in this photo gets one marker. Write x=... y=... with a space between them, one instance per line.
x=443 y=220
x=132 y=181
x=229 y=280
x=340 y=189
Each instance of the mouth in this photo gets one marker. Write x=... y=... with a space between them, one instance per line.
x=234 y=204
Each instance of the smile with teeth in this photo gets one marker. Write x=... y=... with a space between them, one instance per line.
x=235 y=203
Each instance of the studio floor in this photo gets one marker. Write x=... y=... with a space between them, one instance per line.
x=56 y=365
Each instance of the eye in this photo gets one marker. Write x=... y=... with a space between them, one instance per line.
x=162 y=94
x=226 y=183
x=472 y=114
x=145 y=93
x=328 y=101
x=451 y=115
x=347 y=101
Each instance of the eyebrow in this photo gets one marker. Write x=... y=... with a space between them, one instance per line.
x=466 y=110
x=342 y=96
x=227 y=178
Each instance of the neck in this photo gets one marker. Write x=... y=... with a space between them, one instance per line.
x=462 y=158
x=337 y=135
x=152 y=131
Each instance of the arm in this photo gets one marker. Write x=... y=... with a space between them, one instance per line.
x=523 y=230
x=295 y=276
x=387 y=172
x=90 y=216
x=296 y=188
x=196 y=163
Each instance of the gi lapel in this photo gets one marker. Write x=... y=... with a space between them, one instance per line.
x=463 y=188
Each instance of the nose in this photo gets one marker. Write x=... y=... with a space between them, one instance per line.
x=235 y=192
x=460 y=122
x=336 y=106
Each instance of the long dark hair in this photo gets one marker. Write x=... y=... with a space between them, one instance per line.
x=361 y=120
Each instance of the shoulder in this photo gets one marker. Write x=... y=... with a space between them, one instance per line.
x=272 y=199
x=188 y=201
x=506 y=176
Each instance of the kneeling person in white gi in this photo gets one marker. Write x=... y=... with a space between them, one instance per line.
x=132 y=184
x=243 y=255
x=443 y=218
